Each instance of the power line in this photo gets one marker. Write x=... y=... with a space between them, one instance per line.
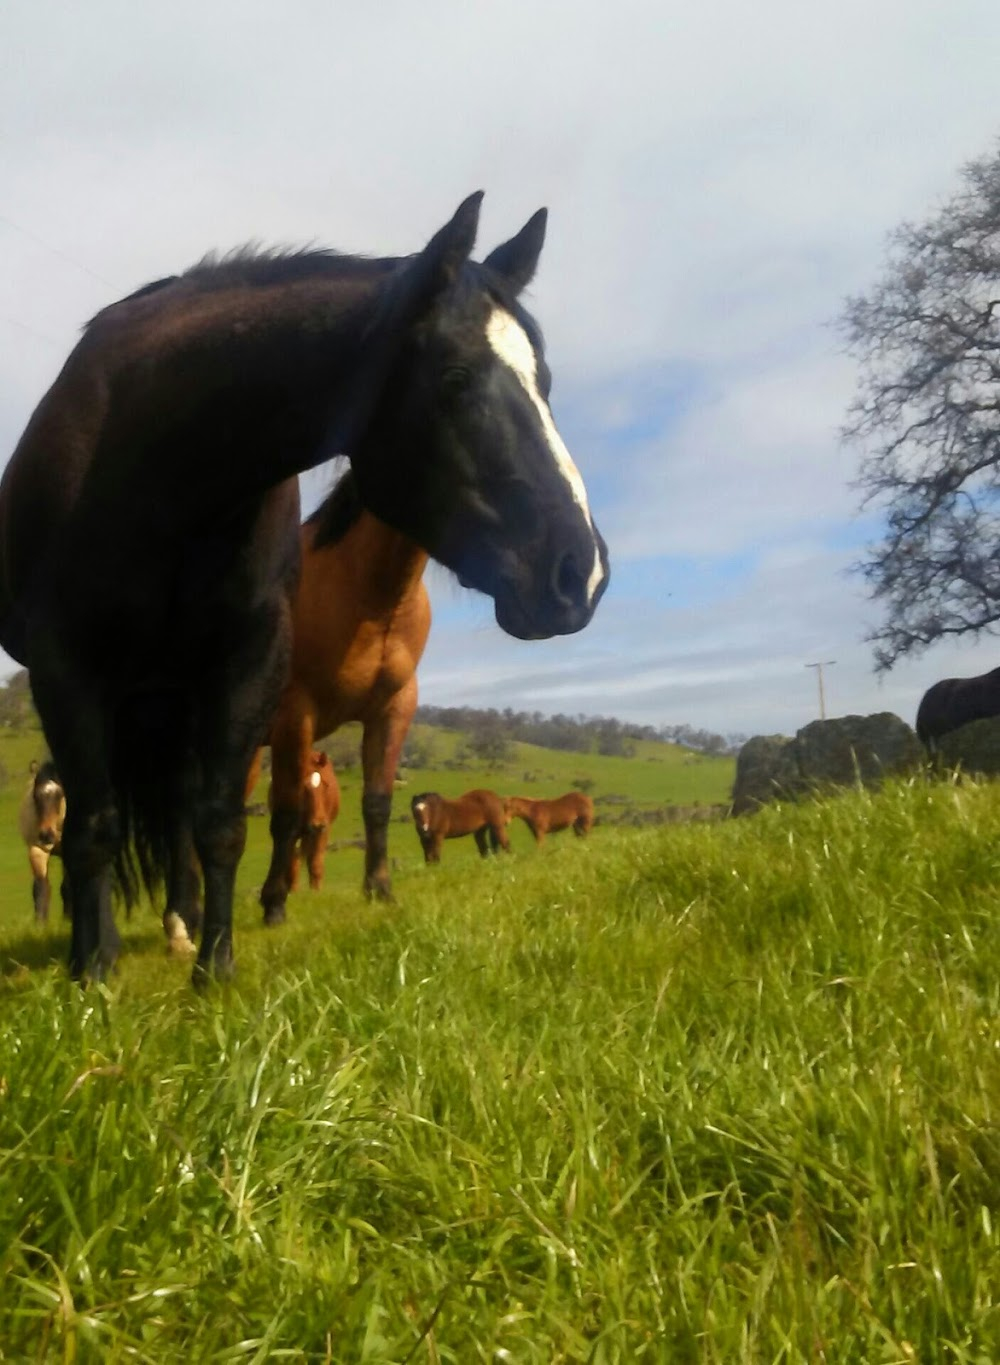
x=32 y=331
x=55 y=251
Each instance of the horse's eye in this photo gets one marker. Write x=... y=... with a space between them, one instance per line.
x=456 y=378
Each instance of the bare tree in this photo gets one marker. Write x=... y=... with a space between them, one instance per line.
x=927 y=420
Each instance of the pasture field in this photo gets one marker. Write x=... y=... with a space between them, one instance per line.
x=658 y=774
x=715 y=1093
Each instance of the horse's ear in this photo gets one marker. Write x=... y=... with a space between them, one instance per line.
x=437 y=266
x=33 y=767
x=517 y=260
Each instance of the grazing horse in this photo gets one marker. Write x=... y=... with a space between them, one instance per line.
x=957 y=701
x=575 y=810
x=41 y=818
x=149 y=524
x=360 y=621
x=479 y=813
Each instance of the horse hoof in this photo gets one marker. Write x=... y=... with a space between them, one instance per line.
x=274 y=917
x=178 y=940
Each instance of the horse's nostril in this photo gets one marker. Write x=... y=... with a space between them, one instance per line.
x=568 y=583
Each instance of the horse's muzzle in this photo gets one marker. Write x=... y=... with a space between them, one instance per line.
x=564 y=605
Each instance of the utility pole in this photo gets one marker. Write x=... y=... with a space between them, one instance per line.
x=826 y=663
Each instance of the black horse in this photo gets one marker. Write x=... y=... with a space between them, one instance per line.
x=149 y=523
x=957 y=701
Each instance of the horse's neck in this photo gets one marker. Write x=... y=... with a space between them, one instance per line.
x=388 y=565
x=299 y=360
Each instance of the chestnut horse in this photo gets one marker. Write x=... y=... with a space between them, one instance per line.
x=479 y=813
x=318 y=808
x=149 y=524
x=360 y=621
x=41 y=818
x=549 y=817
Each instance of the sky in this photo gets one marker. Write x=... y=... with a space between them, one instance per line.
x=719 y=177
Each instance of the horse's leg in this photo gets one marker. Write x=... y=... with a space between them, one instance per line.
x=314 y=851
x=182 y=916
x=233 y=716
x=291 y=750
x=480 y=836
x=432 y=848
x=78 y=731
x=67 y=899
x=381 y=746
x=40 y=891
x=499 y=839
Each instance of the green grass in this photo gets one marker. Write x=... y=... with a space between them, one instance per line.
x=709 y=1093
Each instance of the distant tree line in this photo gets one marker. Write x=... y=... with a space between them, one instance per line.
x=17 y=710
x=491 y=732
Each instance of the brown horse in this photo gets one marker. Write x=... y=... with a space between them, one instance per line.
x=360 y=621
x=319 y=806
x=549 y=817
x=479 y=813
x=41 y=816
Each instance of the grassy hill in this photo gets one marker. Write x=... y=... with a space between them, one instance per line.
x=703 y=1093
x=657 y=775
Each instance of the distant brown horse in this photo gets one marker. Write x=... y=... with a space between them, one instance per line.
x=549 y=817
x=41 y=816
x=479 y=813
x=360 y=621
x=319 y=806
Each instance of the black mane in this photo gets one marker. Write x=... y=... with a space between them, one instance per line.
x=337 y=513
x=254 y=265
x=260 y=267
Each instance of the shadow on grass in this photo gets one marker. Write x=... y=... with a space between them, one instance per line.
x=37 y=950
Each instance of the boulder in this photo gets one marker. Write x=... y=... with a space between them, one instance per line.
x=825 y=753
x=766 y=770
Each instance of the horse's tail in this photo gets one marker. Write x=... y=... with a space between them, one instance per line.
x=150 y=773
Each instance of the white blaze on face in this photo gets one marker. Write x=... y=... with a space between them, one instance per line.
x=421 y=811
x=511 y=343
x=314 y=780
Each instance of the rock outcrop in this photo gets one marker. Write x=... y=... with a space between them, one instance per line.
x=824 y=754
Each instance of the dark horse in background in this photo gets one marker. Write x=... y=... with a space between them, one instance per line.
x=957 y=701
x=149 y=523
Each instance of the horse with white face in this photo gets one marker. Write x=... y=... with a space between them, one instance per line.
x=149 y=523
x=41 y=816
